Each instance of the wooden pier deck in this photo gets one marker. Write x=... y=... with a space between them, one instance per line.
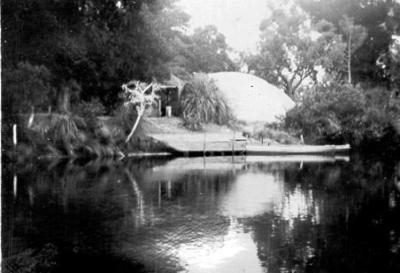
x=230 y=144
x=202 y=143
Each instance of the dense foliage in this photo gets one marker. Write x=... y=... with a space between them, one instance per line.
x=285 y=56
x=380 y=19
x=202 y=102
x=342 y=113
x=27 y=86
x=98 y=44
x=101 y=44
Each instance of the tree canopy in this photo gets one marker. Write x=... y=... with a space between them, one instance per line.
x=379 y=18
x=291 y=49
x=98 y=45
x=345 y=39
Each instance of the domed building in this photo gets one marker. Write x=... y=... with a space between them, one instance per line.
x=251 y=98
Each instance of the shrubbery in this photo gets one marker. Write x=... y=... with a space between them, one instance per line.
x=26 y=86
x=202 y=102
x=338 y=113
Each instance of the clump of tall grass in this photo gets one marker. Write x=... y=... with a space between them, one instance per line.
x=202 y=102
x=72 y=136
x=66 y=131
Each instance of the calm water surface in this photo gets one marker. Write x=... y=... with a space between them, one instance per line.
x=254 y=214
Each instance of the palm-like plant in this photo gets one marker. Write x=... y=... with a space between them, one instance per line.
x=66 y=131
x=141 y=96
x=202 y=102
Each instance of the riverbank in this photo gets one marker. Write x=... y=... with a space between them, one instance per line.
x=60 y=135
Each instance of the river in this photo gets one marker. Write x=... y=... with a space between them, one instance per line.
x=214 y=214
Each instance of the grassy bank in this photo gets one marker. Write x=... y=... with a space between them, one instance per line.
x=69 y=135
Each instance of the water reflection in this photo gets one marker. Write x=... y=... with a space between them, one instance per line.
x=234 y=252
x=222 y=214
x=252 y=194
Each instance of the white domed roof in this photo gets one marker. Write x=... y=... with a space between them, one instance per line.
x=251 y=98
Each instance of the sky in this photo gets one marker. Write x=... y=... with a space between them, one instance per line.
x=238 y=20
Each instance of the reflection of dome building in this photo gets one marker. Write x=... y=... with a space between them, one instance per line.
x=252 y=194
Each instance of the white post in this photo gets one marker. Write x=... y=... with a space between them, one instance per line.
x=233 y=145
x=168 y=110
x=15 y=134
x=204 y=144
x=169 y=187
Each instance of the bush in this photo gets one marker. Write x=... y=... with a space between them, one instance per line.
x=202 y=102
x=90 y=111
x=341 y=113
x=268 y=133
x=26 y=86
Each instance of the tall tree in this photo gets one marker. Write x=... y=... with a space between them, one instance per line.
x=205 y=50
x=378 y=17
x=355 y=36
x=291 y=50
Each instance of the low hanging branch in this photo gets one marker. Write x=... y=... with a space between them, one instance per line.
x=141 y=96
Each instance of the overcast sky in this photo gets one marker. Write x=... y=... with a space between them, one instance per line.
x=238 y=20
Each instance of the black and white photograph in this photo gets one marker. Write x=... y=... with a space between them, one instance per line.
x=200 y=136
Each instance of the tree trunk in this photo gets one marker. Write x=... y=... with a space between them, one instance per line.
x=140 y=114
x=349 y=59
x=64 y=99
x=287 y=90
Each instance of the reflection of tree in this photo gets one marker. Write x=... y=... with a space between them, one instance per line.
x=280 y=247
x=358 y=227
x=187 y=215
x=92 y=211
x=73 y=208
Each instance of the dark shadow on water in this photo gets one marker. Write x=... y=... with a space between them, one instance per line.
x=216 y=214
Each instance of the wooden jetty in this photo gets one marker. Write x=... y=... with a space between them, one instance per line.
x=202 y=143
x=217 y=143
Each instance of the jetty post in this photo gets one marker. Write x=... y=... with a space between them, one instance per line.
x=204 y=145
x=233 y=146
x=159 y=194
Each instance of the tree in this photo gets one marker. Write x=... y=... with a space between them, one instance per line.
x=27 y=86
x=204 y=51
x=380 y=18
x=290 y=49
x=96 y=44
x=389 y=61
x=333 y=61
x=355 y=36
